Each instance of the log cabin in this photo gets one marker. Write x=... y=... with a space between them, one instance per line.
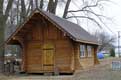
x=50 y=44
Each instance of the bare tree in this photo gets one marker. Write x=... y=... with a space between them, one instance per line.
x=41 y=4
x=3 y=19
x=31 y=3
x=36 y=3
x=87 y=7
x=52 y=5
x=66 y=8
x=106 y=41
x=23 y=10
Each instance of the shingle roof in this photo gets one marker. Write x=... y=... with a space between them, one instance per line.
x=73 y=30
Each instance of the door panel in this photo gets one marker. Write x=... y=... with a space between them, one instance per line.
x=48 y=57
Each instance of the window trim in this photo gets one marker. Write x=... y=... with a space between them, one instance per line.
x=82 y=51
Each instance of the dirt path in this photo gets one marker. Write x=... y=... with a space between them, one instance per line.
x=102 y=71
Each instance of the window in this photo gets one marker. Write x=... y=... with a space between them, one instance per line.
x=89 y=51
x=82 y=50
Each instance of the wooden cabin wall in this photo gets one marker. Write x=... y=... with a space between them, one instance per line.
x=88 y=61
x=63 y=49
x=85 y=62
x=66 y=52
x=78 y=66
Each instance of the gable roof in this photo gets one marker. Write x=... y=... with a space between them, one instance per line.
x=73 y=30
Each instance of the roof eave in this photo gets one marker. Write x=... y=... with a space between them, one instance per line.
x=87 y=42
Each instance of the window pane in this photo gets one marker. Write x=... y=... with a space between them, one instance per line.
x=82 y=51
x=89 y=51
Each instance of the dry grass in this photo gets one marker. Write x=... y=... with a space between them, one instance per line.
x=100 y=72
x=3 y=77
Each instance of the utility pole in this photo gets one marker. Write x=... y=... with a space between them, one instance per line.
x=119 y=43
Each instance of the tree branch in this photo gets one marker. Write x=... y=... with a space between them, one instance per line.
x=98 y=15
x=89 y=6
x=28 y=10
x=95 y=5
x=86 y=18
x=75 y=18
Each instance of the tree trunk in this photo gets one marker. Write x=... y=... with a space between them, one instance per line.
x=66 y=9
x=52 y=6
x=49 y=7
x=36 y=3
x=2 y=27
x=41 y=4
x=17 y=6
x=8 y=8
x=3 y=19
x=55 y=6
x=31 y=3
x=1 y=8
x=23 y=11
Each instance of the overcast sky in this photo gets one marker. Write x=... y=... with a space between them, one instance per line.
x=114 y=10
x=110 y=9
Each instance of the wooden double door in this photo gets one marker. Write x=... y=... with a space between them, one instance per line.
x=40 y=58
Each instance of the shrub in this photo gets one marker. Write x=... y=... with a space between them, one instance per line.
x=112 y=52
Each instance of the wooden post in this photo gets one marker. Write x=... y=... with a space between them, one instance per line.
x=23 y=60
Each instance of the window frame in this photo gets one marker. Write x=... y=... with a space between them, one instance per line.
x=89 y=51
x=82 y=51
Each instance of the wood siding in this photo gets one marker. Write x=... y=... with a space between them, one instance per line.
x=85 y=62
x=62 y=51
x=48 y=49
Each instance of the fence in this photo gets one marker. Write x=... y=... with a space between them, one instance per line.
x=11 y=67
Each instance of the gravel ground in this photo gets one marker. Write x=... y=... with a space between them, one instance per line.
x=102 y=71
